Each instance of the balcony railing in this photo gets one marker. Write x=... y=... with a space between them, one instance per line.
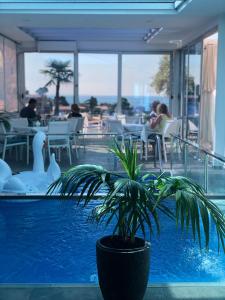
x=205 y=167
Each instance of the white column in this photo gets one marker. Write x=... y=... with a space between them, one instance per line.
x=219 y=136
x=76 y=79
x=119 y=84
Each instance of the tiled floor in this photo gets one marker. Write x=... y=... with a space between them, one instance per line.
x=170 y=292
x=97 y=152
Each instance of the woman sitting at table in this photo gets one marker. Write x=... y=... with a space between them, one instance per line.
x=75 y=111
x=153 y=113
x=158 y=123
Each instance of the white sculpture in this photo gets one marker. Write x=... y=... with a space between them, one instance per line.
x=37 y=145
x=5 y=173
x=53 y=171
x=30 y=182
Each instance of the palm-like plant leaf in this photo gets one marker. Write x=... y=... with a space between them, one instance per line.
x=132 y=201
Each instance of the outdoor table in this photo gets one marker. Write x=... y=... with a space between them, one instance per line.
x=39 y=128
x=133 y=127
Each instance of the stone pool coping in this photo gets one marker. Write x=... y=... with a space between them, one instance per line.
x=167 y=291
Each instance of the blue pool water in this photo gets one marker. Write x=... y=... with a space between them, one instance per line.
x=52 y=242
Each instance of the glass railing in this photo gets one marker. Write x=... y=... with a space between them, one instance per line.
x=205 y=167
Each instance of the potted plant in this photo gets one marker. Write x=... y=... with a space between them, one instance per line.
x=131 y=203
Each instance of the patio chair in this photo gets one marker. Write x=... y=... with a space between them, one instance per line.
x=121 y=118
x=192 y=131
x=18 y=123
x=172 y=128
x=59 y=134
x=79 y=132
x=9 y=141
x=116 y=127
x=73 y=128
x=150 y=138
x=80 y=125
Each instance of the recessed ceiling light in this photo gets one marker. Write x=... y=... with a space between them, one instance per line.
x=151 y=34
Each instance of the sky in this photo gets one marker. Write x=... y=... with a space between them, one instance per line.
x=35 y=62
x=97 y=73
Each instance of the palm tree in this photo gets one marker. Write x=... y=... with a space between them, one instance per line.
x=58 y=72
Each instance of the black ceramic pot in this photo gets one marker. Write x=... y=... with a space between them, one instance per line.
x=122 y=271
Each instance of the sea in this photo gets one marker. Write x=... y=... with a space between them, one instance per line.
x=141 y=102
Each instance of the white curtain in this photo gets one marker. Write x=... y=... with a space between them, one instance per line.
x=207 y=111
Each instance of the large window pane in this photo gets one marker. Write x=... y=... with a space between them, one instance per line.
x=145 y=78
x=98 y=83
x=11 y=103
x=194 y=79
x=40 y=86
x=193 y=57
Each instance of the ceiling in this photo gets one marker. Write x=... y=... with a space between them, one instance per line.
x=120 y=31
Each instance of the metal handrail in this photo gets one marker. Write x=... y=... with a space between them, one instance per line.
x=200 y=148
x=206 y=152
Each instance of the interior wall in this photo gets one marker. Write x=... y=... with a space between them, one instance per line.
x=8 y=75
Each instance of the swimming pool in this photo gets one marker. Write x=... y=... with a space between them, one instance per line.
x=52 y=242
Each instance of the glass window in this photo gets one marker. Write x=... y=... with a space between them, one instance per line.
x=2 y=89
x=11 y=104
x=192 y=87
x=98 y=83
x=145 y=78
x=42 y=85
x=194 y=78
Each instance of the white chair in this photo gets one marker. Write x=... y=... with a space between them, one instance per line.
x=121 y=118
x=9 y=140
x=73 y=127
x=115 y=127
x=150 y=137
x=192 y=131
x=79 y=131
x=80 y=125
x=172 y=128
x=18 y=123
x=73 y=124
x=59 y=134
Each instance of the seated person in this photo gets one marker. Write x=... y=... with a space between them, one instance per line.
x=29 y=112
x=153 y=113
x=75 y=111
x=158 y=124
